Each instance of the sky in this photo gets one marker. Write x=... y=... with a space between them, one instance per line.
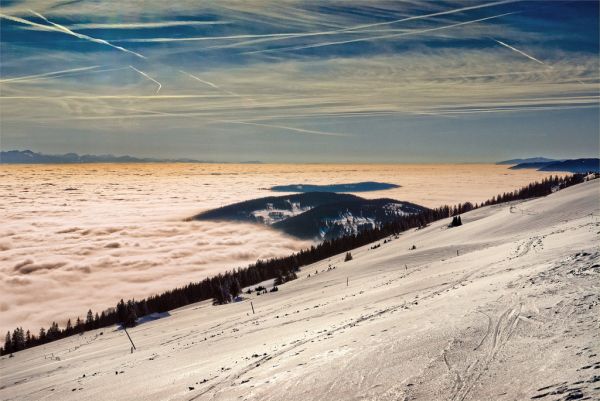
x=301 y=81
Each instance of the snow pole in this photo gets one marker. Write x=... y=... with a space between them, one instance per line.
x=252 y=305
x=128 y=336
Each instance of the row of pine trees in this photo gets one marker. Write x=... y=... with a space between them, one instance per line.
x=225 y=287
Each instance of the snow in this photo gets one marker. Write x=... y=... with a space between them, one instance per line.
x=504 y=307
x=272 y=215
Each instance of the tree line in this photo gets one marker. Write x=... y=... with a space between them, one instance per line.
x=225 y=287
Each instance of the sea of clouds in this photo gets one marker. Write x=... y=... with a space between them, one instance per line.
x=74 y=237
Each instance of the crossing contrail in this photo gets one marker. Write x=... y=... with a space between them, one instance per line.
x=397 y=35
x=147 y=76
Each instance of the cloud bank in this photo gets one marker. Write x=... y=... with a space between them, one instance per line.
x=78 y=237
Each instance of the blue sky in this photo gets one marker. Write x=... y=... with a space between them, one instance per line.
x=301 y=81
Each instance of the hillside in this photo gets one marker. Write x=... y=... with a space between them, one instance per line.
x=581 y=166
x=574 y=166
x=504 y=307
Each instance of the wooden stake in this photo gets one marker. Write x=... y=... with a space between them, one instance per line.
x=252 y=305
x=128 y=336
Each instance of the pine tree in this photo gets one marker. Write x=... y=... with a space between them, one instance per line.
x=131 y=314
x=79 y=326
x=18 y=339
x=235 y=288
x=89 y=320
x=121 y=311
x=8 y=347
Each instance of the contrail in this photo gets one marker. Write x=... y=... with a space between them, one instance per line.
x=300 y=130
x=147 y=76
x=47 y=74
x=145 y=25
x=437 y=14
x=529 y=56
x=215 y=86
x=414 y=32
x=205 y=38
x=59 y=28
x=212 y=85
x=520 y=52
x=200 y=80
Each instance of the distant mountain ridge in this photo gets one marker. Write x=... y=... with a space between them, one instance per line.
x=321 y=215
x=30 y=157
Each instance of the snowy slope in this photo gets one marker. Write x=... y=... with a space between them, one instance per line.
x=514 y=316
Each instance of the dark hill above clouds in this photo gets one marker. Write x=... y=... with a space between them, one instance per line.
x=350 y=187
x=528 y=160
x=320 y=215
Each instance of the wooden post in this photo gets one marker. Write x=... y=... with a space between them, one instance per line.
x=128 y=336
x=252 y=305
